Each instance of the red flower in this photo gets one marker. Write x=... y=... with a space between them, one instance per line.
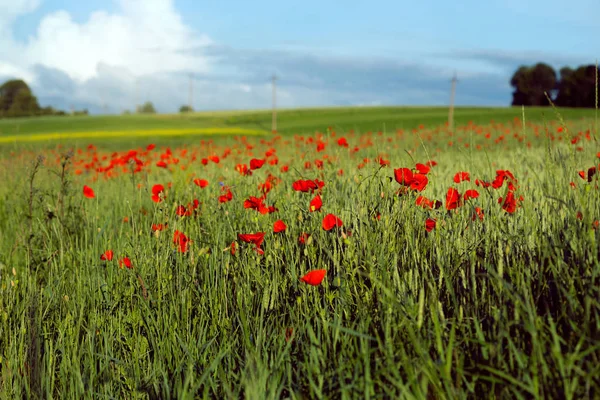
x=314 y=277
x=452 y=199
x=426 y=203
x=279 y=226
x=331 y=221
x=256 y=238
x=228 y=196
x=125 y=262
x=181 y=240
x=478 y=214
x=462 y=176
x=423 y=169
x=307 y=185
x=107 y=255
x=158 y=227
x=303 y=238
x=201 y=182
x=419 y=182
x=256 y=203
x=342 y=142
x=510 y=203
x=88 y=192
x=471 y=194
x=316 y=204
x=157 y=190
x=430 y=224
x=256 y=163
x=403 y=176
x=161 y=164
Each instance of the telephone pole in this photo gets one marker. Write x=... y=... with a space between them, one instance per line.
x=274 y=120
x=191 y=101
x=451 y=111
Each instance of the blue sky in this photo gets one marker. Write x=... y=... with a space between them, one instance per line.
x=109 y=55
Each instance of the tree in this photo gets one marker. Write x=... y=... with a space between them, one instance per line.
x=185 y=109
x=146 y=108
x=530 y=83
x=17 y=100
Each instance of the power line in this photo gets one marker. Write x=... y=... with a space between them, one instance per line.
x=274 y=117
x=451 y=111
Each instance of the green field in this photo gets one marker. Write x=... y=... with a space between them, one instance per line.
x=492 y=293
x=300 y=121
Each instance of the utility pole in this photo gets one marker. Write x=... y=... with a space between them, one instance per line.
x=191 y=101
x=451 y=111
x=274 y=120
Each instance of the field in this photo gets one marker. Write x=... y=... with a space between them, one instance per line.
x=355 y=253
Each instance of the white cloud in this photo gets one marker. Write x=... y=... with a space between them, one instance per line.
x=144 y=36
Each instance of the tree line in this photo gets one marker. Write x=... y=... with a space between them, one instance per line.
x=569 y=88
x=18 y=100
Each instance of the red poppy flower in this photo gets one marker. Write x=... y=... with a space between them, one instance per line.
x=158 y=227
x=431 y=163
x=510 y=203
x=228 y=196
x=316 y=204
x=107 y=255
x=256 y=203
x=303 y=238
x=403 y=176
x=232 y=248
x=279 y=226
x=201 y=182
x=342 y=142
x=307 y=185
x=419 y=182
x=422 y=168
x=478 y=214
x=471 y=194
x=461 y=177
x=157 y=190
x=452 y=199
x=256 y=238
x=181 y=240
x=314 y=277
x=256 y=163
x=330 y=221
x=161 y=164
x=125 y=262
x=430 y=224
x=88 y=192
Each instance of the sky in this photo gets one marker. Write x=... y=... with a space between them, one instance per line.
x=107 y=56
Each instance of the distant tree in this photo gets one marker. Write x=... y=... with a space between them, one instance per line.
x=577 y=88
x=17 y=100
x=530 y=83
x=185 y=109
x=126 y=112
x=146 y=108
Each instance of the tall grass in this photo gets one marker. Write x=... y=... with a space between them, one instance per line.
x=503 y=307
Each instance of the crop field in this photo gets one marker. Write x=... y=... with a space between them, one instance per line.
x=352 y=254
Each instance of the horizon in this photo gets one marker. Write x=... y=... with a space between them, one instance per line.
x=116 y=54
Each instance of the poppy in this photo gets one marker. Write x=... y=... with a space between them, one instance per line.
x=201 y=182
x=107 y=255
x=478 y=214
x=314 y=277
x=157 y=190
x=403 y=176
x=430 y=224
x=181 y=240
x=303 y=238
x=331 y=221
x=452 y=199
x=316 y=204
x=279 y=226
x=255 y=238
x=125 y=262
x=256 y=163
x=471 y=194
x=158 y=227
x=342 y=142
x=88 y=192
x=161 y=164
x=419 y=182
x=461 y=177
x=422 y=168
x=256 y=203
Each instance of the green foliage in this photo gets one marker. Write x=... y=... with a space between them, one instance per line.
x=185 y=109
x=575 y=88
x=507 y=307
x=17 y=100
x=146 y=108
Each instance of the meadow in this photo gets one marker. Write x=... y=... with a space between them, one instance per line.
x=355 y=253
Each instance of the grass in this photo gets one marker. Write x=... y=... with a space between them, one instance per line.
x=504 y=307
x=300 y=121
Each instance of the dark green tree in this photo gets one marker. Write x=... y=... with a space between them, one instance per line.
x=17 y=100
x=531 y=83
x=146 y=108
x=185 y=109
